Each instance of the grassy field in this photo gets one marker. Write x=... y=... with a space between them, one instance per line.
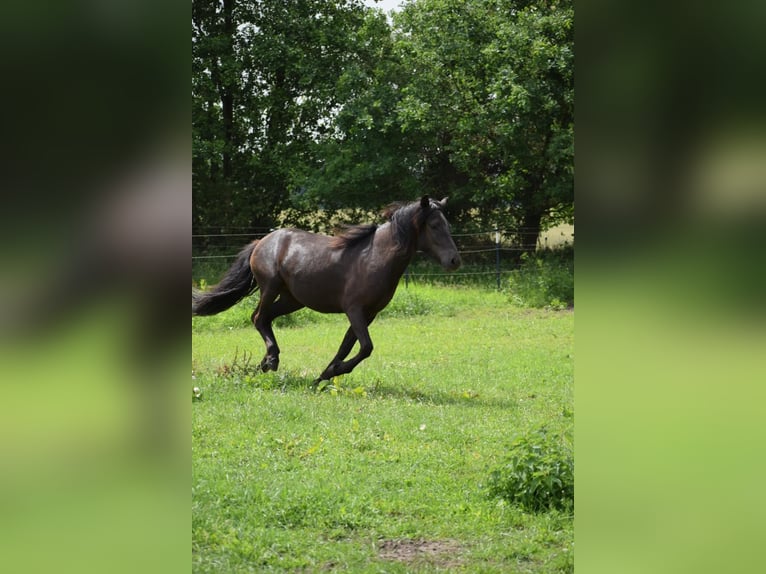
x=386 y=470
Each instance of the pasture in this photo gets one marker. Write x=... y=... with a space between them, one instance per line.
x=385 y=469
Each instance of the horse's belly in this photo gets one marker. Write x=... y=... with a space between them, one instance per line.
x=324 y=307
x=317 y=293
x=327 y=285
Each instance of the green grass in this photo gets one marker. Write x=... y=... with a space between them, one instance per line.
x=387 y=470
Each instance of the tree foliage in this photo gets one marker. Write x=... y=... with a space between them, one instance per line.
x=321 y=104
x=490 y=95
x=263 y=90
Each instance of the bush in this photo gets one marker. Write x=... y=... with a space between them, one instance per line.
x=538 y=474
x=544 y=279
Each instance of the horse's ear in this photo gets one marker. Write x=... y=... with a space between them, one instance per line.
x=443 y=202
x=425 y=202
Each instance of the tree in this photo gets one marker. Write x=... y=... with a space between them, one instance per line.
x=533 y=111
x=364 y=161
x=216 y=131
x=264 y=90
x=324 y=104
x=489 y=99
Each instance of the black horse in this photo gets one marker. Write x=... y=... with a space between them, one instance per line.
x=355 y=272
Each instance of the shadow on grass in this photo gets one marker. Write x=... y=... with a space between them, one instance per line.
x=437 y=397
x=243 y=372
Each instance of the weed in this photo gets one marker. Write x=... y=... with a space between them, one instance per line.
x=241 y=367
x=538 y=473
x=336 y=387
x=545 y=279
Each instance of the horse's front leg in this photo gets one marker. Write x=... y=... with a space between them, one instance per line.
x=343 y=351
x=357 y=331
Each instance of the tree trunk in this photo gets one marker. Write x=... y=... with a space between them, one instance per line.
x=227 y=92
x=530 y=230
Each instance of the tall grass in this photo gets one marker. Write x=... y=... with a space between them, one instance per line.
x=544 y=279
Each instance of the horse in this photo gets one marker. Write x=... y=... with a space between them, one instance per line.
x=355 y=272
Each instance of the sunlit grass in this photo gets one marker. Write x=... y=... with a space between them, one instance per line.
x=286 y=478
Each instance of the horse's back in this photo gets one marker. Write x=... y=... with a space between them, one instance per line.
x=305 y=264
x=285 y=244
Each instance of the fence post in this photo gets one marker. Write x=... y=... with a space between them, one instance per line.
x=497 y=257
x=407 y=277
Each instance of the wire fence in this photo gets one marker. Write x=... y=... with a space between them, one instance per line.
x=488 y=256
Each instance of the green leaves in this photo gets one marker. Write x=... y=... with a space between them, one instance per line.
x=264 y=91
x=538 y=473
x=544 y=280
x=325 y=104
x=488 y=105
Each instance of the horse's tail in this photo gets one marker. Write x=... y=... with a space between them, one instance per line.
x=233 y=287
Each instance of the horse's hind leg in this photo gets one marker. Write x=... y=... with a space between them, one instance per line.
x=262 y=322
x=262 y=319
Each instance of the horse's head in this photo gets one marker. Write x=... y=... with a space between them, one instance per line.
x=434 y=237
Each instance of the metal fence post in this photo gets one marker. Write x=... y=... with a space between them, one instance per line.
x=497 y=257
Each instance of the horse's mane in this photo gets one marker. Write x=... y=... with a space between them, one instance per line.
x=401 y=214
x=350 y=235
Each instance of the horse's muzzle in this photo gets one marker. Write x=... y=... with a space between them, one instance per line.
x=453 y=263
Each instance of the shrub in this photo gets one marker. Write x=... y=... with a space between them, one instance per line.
x=544 y=279
x=537 y=475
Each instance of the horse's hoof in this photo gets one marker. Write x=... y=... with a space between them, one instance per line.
x=269 y=364
x=319 y=385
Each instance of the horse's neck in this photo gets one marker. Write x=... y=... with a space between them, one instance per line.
x=397 y=256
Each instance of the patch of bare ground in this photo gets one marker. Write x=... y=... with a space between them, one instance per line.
x=439 y=553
